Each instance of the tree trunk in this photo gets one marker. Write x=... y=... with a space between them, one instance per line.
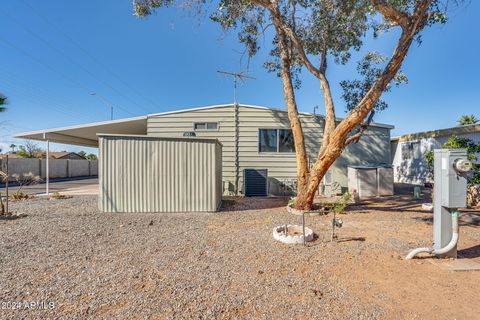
x=338 y=138
x=289 y=95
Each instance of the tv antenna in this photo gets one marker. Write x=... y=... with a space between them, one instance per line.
x=236 y=76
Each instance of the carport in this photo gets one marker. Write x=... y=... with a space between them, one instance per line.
x=84 y=135
x=139 y=173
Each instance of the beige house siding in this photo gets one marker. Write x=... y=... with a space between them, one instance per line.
x=373 y=148
x=281 y=166
x=175 y=124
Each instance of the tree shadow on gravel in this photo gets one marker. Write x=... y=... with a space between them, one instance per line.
x=252 y=203
x=317 y=241
x=12 y=217
x=464 y=220
x=347 y=239
x=469 y=253
x=402 y=201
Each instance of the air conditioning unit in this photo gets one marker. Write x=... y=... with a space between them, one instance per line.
x=255 y=182
x=370 y=181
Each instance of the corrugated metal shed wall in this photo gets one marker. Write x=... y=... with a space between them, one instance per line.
x=148 y=174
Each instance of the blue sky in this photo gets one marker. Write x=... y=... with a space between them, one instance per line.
x=54 y=53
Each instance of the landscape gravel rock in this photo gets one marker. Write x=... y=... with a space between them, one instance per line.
x=169 y=265
x=223 y=265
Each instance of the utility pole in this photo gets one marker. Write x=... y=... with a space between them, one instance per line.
x=236 y=76
x=109 y=104
x=47 y=166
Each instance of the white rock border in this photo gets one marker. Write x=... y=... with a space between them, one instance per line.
x=279 y=235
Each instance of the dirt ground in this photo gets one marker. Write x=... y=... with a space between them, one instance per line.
x=422 y=288
x=226 y=265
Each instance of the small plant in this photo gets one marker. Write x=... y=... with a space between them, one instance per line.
x=268 y=220
x=27 y=179
x=20 y=195
x=292 y=202
x=340 y=205
x=57 y=195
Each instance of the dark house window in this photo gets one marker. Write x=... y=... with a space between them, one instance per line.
x=205 y=126
x=275 y=140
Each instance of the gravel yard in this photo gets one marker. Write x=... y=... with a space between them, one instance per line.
x=227 y=265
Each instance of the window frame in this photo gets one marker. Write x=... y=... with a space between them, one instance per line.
x=206 y=126
x=277 y=144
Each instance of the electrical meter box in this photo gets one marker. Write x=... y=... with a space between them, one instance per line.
x=448 y=169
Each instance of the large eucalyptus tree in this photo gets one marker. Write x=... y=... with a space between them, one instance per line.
x=310 y=33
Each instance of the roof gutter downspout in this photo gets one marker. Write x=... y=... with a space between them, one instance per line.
x=235 y=143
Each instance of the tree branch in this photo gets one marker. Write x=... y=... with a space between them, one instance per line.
x=356 y=116
x=390 y=12
x=328 y=101
x=356 y=137
x=263 y=3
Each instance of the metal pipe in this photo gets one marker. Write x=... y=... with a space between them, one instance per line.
x=303 y=225
x=447 y=248
x=454 y=240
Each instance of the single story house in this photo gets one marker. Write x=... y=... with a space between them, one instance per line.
x=408 y=151
x=65 y=155
x=257 y=143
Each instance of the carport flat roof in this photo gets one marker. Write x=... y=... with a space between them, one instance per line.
x=86 y=134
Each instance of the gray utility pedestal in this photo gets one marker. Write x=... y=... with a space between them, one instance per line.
x=449 y=194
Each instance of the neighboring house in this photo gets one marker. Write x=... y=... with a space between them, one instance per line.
x=408 y=151
x=65 y=155
x=253 y=137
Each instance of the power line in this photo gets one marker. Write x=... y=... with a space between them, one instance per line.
x=45 y=65
x=49 y=67
x=89 y=54
x=48 y=44
x=39 y=93
x=48 y=103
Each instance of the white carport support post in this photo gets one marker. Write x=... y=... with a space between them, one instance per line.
x=47 y=167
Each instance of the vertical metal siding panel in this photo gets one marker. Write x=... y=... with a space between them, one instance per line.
x=101 y=207
x=164 y=180
x=208 y=147
x=218 y=175
x=202 y=178
x=173 y=200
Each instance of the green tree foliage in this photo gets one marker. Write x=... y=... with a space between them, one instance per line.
x=369 y=69
x=454 y=142
x=82 y=154
x=3 y=102
x=466 y=120
x=91 y=156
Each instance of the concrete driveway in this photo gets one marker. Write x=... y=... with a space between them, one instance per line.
x=71 y=187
